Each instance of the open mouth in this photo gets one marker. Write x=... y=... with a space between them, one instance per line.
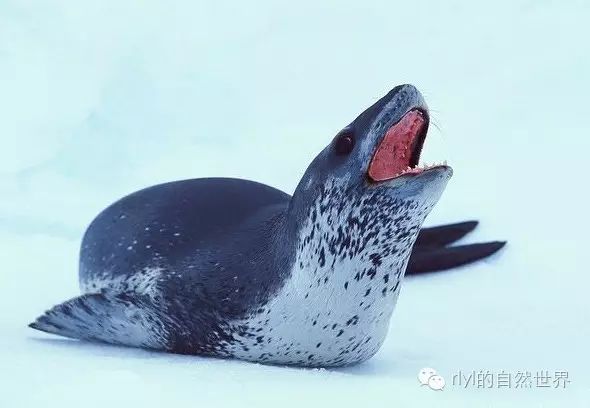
x=399 y=152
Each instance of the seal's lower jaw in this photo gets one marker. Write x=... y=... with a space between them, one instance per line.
x=399 y=151
x=424 y=189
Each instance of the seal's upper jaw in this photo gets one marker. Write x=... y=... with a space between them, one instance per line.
x=398 y=152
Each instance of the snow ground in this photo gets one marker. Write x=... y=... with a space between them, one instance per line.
x=98 y=99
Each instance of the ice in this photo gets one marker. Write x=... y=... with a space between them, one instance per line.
x=99 y=99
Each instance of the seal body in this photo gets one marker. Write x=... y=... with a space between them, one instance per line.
x=236 y=269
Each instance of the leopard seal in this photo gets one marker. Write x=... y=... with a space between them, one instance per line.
x=236 y=269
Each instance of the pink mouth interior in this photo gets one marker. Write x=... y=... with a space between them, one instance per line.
x=399 y=145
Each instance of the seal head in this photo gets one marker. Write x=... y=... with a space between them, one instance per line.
x=378 y=151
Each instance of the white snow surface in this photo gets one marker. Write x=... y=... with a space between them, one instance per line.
x=98 y=99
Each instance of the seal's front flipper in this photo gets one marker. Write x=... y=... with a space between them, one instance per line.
x=430 y=259
x=125 y=319
x=444 y=234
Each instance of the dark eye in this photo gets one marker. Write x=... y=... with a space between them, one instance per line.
x=344 y=143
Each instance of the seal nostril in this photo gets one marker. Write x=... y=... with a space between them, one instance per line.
x=344 y=143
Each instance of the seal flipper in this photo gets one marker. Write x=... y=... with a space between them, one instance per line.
x=437 y=259
x=123 y=319
x=431 y=253
x=444 y=234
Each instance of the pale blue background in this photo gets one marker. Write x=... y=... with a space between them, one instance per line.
x=100 y=98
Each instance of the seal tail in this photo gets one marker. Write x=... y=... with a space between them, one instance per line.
x=122 y=319
x=432 y=251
